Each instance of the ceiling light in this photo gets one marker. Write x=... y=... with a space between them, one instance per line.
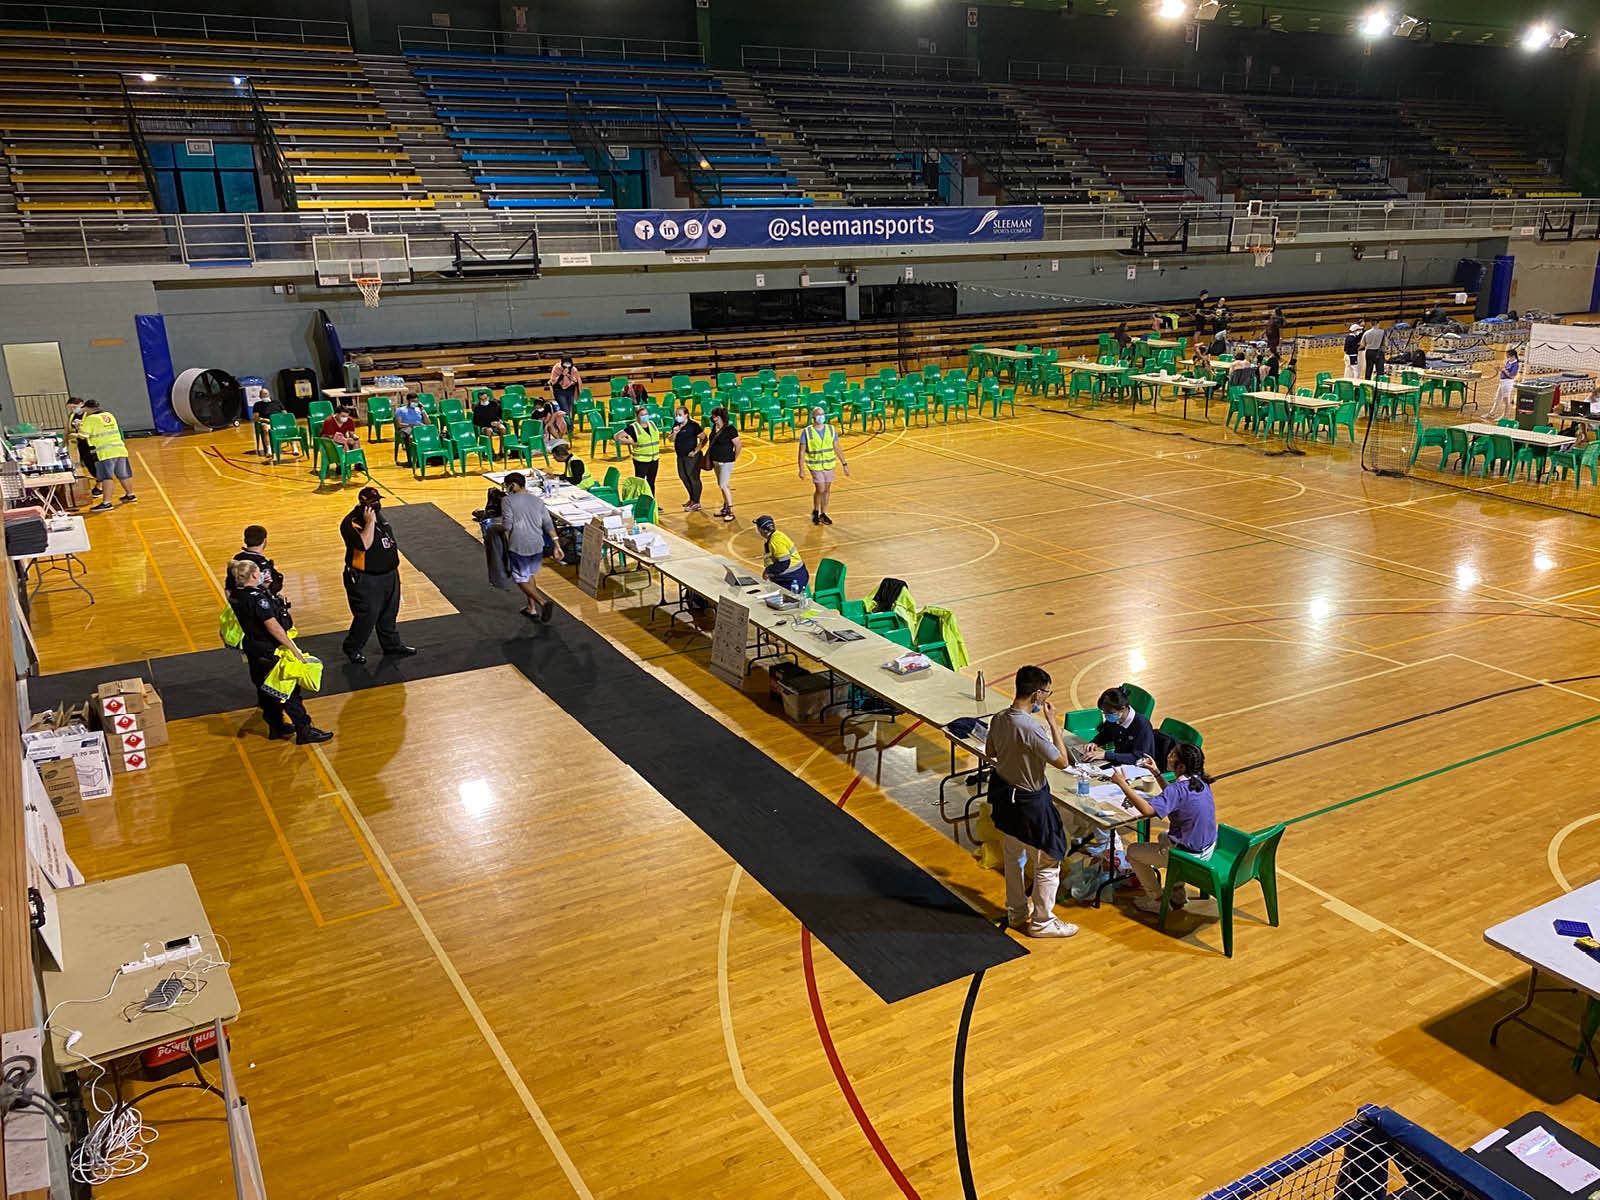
x=1537 y=37
x=1172 y=10
x=1562 y=37
x=1404 y=26
x=147 y=77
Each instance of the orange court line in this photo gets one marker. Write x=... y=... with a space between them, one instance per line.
x=161 y=580
x=334 y=794
x=277 y=830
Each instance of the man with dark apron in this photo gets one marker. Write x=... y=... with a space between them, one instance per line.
x=1019 y=797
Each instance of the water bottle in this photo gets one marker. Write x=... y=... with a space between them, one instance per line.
x=977 y=689
x=1083 y=782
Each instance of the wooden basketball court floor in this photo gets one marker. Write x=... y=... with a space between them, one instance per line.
x=479 y=956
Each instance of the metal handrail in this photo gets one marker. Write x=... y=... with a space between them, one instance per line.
x=277 y=161
x=285 y=238
x=136 y=135
x=795 y=58
x=675 y=136
x=160 y=23
x=415 y=38
x=1032 y=71
x=586 y=135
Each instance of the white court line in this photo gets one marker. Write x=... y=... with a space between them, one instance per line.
x=1327 y=687
x=1553 y=855
x=454 y=976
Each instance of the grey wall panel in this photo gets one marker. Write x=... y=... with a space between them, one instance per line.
x=78 y=316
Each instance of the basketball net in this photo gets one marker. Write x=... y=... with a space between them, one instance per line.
x=1263 y=255
x=370 y=286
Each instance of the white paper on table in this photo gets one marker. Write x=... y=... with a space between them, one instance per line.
x=1539 y=1150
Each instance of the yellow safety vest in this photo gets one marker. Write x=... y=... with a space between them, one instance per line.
x=104 y=438
x=823 y=457
x=647 y=442
x=781 y=546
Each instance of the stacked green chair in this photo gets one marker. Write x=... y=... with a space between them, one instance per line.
x=1237 y=859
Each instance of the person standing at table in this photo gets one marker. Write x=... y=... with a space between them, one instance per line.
x=644 y=439
x=1021 y=807
x=818 y=455
x=1505 y=391
x=529 y=529
x=1352 y=352
x=781 y=559
x=1372 y=345
x=99 y=431
x=686 y=447
x=1190 y=811
x=75 y=414
x=371 y=579
x=722 y=447
x=264 y=619
x=565 y=380
x=1124 y=735
x=1202 y=313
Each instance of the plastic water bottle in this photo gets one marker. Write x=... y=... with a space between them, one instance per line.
x=1083 y=782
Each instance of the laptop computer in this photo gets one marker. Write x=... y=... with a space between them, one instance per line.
x=738 y=578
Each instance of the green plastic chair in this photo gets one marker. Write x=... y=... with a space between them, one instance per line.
x=465 y=440
x=1496 y=450
x=953 y=397
x=1006 y=396
x=332 y=456
x=283 y=429
x=1082 y=723
x=644 y=508
x=911 y=402
x=526 y=444
x=380 y=412
x=317 y=411
x=425 y=448
x=609 y=495
x=1180 y=731
x=1143 y=702
x=1437 y=436
x=1576 y=461
x=899 y=635
x=886 y=623
x=928 y=634
x=450 y=412
x=827 y=586
x=600 y=434
x=1238 y=858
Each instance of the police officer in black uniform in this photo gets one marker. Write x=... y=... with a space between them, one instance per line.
x=265 y=621
x=255 y=549
x=371 y=579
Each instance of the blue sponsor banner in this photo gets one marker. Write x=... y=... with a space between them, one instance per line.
x=691 y=229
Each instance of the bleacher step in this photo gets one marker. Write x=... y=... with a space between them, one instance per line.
x=433 y=156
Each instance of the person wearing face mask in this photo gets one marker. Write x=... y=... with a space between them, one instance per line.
x=686 y=445
x=644 y=439
x=1124 y=736
x=1021 y=747
x=818 y=454
x=371 y=579
x=565 y=380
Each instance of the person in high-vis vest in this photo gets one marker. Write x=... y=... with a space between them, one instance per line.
x=819 y=452
x=781 y=559
x=98 y=430
x=644 y=439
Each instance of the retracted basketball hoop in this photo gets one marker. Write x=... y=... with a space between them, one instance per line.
x=370 y=286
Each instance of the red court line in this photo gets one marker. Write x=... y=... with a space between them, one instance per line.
x=854 y=1101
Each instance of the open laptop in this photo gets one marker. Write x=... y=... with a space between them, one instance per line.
x=736 y=578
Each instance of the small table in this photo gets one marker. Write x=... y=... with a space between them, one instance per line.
x=1105 y=810
x=1003 y=358
x=106 y=924
x=1178 y=383
x=1531 y=938
x=49 y=486
x=67 y=537
x=1312 y=404
x=1529 y=437
x=340 y=395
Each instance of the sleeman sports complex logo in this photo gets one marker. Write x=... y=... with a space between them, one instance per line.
x=999 y=225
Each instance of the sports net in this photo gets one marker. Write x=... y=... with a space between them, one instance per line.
x=371 y=286
x=1447 y=433
x=1376 y=1155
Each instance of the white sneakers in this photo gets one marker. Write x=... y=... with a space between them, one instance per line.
x=1054 y=928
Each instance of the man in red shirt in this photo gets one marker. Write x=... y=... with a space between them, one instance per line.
x=341 y=430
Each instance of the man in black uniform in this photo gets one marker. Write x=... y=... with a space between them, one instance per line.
x=371 y=579
x=255 y=549
x=265 y=621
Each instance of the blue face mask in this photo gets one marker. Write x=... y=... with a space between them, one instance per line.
x=1109 y=718
x=1037 y=708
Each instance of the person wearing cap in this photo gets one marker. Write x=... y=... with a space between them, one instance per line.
x=784 y=566
x=265 y=623
x=75 y=415
x=371 y=579
x=99 y=431
x=1352 y=352
x=819 y=453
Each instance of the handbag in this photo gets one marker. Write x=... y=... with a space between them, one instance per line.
x=705 y=461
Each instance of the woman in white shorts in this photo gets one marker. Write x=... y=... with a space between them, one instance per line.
x=721 y=447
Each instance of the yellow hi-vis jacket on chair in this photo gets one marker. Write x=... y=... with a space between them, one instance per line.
x=105 y=439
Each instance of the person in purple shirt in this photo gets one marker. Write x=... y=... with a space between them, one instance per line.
x=1190 y=812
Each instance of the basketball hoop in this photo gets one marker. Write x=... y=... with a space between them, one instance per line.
x=370 y=286
x=1263 y=254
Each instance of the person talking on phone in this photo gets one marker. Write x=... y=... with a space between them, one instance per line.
x=1021 y=747
x=371 y=579
x=565 y=380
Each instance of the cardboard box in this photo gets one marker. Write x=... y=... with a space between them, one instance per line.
x=60 y=779
x=130 y=762
x=85 y=749
x=805 y=697
x=122 y=713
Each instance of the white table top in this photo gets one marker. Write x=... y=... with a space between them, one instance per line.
x=1083 y=364
x=1178 y=381
x=387 y=389
x=1312 y=403
x=1159 y=343
x=996 y=352
x=1531 y=937
x=1552 y=441
x=1391 y=388
x=66 y=535
x=1463 y=376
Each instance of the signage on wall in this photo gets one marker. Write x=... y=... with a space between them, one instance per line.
x=1133 y=272
x=199 y=147
x=972 y=18
x=769 y=229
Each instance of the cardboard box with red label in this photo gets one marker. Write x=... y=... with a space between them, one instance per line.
x=128 y=706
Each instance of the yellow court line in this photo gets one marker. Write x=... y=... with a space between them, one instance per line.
x=161 y=581
x=1555 y=687
x=731 y=1044
x=361 y=842
x=277 y=831
x=183 y=530
x=496 y=1047
x=1327 y=687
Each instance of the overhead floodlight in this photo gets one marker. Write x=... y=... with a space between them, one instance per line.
x=1562 y=37
x=1172 y=10
x=147 y=76
x=1537 y=37
x=1404 y=25
x=1376 y=23
x=237 y=80
x=1207 y=10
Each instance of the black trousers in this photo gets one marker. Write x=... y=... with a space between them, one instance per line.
x=273 y=709
x=689 y=473
x=647 y=472
x=1374 y=363
x=374 y=604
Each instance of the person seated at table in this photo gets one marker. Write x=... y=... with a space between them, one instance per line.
x=1271 y=365
x=782 y=557
x=1244 y=372
x=1124 y=735
x=340 y=429
x=1189 y=809
x=1202 y=365
x=1123 y=338
x=408 y=416
x=1505 y=391
x=571 y=468
x=1219 y=340
x=488 y=417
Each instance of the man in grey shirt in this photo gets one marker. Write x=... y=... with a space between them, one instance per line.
x=1020 y=804
x=527 y=522
x=1372 y=344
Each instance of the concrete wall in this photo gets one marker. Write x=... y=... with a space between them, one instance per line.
x=1555 y=276
x=79 y=315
